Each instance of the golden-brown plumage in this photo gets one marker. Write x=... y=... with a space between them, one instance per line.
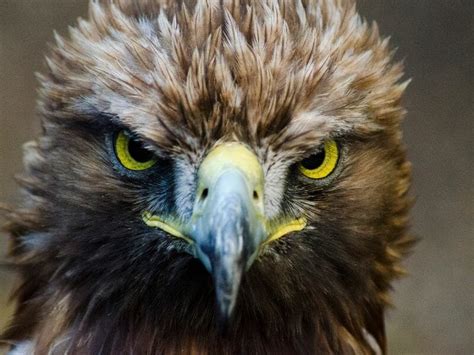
x=279 y=76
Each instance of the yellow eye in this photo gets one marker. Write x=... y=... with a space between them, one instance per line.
x=132 y=154
x=320 y=165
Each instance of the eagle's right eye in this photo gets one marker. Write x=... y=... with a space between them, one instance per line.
x=132 y=154
x=322 y=164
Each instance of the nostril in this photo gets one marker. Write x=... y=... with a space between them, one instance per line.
x=204 y=194
x=255 y=195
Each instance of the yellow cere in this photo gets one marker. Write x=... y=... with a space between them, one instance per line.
x=331 y=157
x=286 y=228
x=232 y=155
x=169 y=227
x=122 y=150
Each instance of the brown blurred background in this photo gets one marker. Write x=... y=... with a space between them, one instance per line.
x=435 y=307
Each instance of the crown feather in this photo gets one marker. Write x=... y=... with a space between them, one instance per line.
x=188 y=73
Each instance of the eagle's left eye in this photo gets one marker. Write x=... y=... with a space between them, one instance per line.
x=321 y=164
x=132 y=154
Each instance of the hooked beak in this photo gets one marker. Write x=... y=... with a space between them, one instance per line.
x=228 y=227
x=228 y=221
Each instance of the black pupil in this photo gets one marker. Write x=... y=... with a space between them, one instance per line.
x=138 y=152
x=314 y=161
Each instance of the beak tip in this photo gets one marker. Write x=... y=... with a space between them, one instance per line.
x=224 y=316
x=227 y=291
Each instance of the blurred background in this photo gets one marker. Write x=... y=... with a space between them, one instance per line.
x=434 y=311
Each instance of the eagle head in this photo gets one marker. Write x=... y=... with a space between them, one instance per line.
x=213 y=177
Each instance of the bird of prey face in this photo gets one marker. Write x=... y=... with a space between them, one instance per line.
x=212 y=177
